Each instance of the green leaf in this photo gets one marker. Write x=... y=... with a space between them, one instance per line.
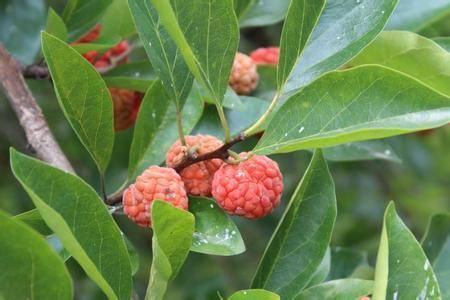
x=368 y=102
x=73 y=210
x=301 y=239
x=267 y=86
x=367 y=150
x=134 y=256
x=436 y=245
x=354 y=25
x=444 y=42
x=263 y=13
x=21 y=22
x=322 y=270
x=402 y=270
x=155 y=130
x=136 y=76
x=117 y=20
x=254 y=295
x=56 y=244
x=215 y=232
x=172 y=237
x=34 y=220
x=241 y=6
x=240 y=118
x=207 y=34
x=344 y=261
x=415 y=15
x=162 y=52
x=411 y=54
x=83 y=97
x=81 y=15
x=338 y=289
x=30 y=268
x=99 y=44
x=55 y=25
x=300 y=22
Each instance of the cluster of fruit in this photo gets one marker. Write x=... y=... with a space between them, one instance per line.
x=126 y=102
x=250 y=186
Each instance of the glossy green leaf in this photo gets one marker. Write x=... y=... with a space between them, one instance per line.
x=436 y=245
x=162 y=51
x=414 y=15
x=30 y=268
x=134 y=256
x=100 y=44
x=255 y=294
x=344 y=261
x=173 y=229
x=73 y=210
x=55 y=25
x=364 y=103
x=117 y=20
x=239 y=118
x=267 y=85
x=354 y=25
x=83 y=97
x=301 y=239
x=402 y=271
x=241 y=6
x=21 y=22
x=444 y=42
x=215 y=232
x=263 y=13
x=367 y=150
x=338 y=290
x=207 y=34
x=34 y=220
x=411 y=54
x=136 y=76
x=300 y=22
x=155 y=130
x=81 y=15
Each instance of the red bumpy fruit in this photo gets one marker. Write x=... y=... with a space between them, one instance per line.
x=251 y=189
x=126 y=106
x=244 y=76
x=154 y=183
x=266 y=56
x=197 y=177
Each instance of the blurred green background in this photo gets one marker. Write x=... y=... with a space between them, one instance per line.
x=420 y=186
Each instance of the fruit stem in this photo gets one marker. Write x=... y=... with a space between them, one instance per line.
x=180 y=127
x=224 y=123
x=255 y=128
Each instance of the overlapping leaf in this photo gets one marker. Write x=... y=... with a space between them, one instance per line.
x=411 y=54
x=155 y=130
x=414 y=15
x=136 y=76
x=402 y=271
x=215 y=233
x=261 y=13
x=73 y=210
x=436 y=245
x=82 y=15
x=162 y=52
x=360 y=104
x=117 y=20
x=30 y=268
x=302 y=236
x=207 y=34
x=83 y=97
x=55 y=25
x=173 y=229
x=344 y=29
x=254 y=295
x=338 y=289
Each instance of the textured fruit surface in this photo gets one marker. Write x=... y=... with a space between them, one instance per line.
x=197 y=177
x=266 y=56
x=244 y=76
x=126 y=106
x=154 y=183
x=251 y=189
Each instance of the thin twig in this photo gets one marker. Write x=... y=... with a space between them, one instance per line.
x=30 y=116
